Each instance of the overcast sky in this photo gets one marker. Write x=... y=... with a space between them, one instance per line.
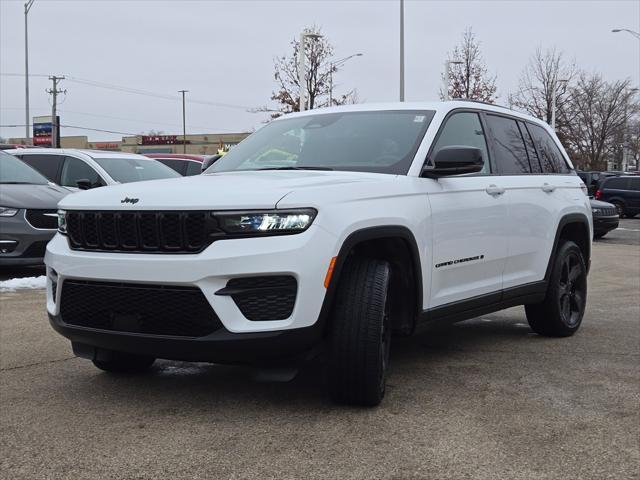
x=222 y=52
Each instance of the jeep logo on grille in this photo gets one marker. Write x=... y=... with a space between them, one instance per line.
x=132 y=201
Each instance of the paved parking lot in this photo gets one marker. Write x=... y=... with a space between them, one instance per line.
x=482 y=399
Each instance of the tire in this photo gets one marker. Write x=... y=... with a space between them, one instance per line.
x=561 y=312
x=120 y=362
x=360 y=333
x=619 y=207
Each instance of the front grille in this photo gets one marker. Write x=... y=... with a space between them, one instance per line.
x=137 y=308
x=42 y=218
x=264 y=298
x=35 y=250
x=146 y=232
x=606 y=211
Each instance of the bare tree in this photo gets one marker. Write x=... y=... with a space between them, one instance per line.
x=318 y=69
x=633 y=143
x=546 y=73
x=599 y=113
x=468 y=79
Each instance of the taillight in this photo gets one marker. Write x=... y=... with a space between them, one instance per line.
x=598 y=194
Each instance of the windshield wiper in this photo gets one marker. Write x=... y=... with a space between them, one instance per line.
x=296 y=168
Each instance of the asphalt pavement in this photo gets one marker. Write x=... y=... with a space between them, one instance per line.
x=483 y=399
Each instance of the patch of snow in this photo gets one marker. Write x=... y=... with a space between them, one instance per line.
x=27 y=282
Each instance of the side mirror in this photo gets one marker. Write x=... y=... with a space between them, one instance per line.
x=84 y=183
x=208 y=161
x=454 y=160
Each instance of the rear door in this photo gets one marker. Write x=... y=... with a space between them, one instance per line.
x=468 y=220
x=532 y=200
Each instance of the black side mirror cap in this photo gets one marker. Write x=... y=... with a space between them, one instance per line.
x=454 y=160
x=84 y=184
x=208 y=161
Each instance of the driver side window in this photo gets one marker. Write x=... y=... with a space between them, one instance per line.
x=75 y=169
x=464 y=129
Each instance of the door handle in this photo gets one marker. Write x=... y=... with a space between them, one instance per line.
x=494 y=190
x=547 y=188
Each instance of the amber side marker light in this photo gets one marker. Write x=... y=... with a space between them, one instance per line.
x=327 y=278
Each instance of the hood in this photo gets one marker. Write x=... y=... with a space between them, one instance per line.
x=32 y=196
x=600 y=204
x=226 y=190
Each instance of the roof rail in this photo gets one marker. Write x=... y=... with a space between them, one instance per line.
x=480 y=101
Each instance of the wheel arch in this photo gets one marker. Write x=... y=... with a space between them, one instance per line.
x=574 y=227
x=388 y=238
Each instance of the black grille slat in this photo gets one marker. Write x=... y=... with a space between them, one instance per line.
x=137 y=308
x=143 y=232
x=44 y=219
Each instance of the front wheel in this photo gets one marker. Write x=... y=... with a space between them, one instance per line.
x=561 y=312
x=120 y=362
x=360 y=333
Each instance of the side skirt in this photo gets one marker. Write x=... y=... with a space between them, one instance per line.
x=484 y=304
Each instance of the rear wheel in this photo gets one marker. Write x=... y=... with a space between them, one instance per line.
x=619 y=208
x=120 y=362
x=360 y=333
x=561 y=312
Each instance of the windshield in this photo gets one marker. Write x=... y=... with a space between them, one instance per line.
x=133 y=169
x=379 y=142
x=15 y=171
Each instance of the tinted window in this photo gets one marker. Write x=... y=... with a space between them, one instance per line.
x=377 y=141
x=550 y=156
x=463 y=129
x=619 y=183
x=508 y=146
x=532 y=153
x=135 y=169
x=177 y=165
x=194 y=168
x=75 y=169
x=47 y=165
x=634 y=183
x=13 y=170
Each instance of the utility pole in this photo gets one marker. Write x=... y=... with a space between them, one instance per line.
x=301 y=67
x=402 y=50
x=54 y=103
x=27 y=7
x=554 y=94
x=184 y=123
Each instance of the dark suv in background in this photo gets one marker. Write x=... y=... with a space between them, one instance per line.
x=623 y=192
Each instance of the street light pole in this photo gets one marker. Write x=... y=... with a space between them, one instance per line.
x=618 y=30
x=184 y=123
x=554 y=93
x=27 y=7
x=402 y=50
x=447 y=64
x=301 y=67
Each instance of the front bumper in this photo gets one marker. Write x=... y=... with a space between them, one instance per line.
x=605 y=224
x=25 y=243
x=304 y=256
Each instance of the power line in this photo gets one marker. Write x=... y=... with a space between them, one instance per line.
x=77 y=127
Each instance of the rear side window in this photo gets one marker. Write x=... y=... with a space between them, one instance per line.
x=47 y=165
x=75 y=169
x=177 y=165
x=532 y=153
x=464 y=129
x=634 y=183
x=508 y=146
x=550 y=156
x=193 y=168
x=617 y=183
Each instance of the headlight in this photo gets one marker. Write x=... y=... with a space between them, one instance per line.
x=8 y=211
x=62 y=222
x=266 y=222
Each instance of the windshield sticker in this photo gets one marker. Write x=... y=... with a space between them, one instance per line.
x=419 y=119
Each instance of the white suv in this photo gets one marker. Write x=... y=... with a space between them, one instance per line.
x=333 y=227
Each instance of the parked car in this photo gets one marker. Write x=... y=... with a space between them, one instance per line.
x=28 y=212
x=623 y=192
x=86 y=169
x=605 y=217
x=185 y=165
x=385 y=218
x=12 y=146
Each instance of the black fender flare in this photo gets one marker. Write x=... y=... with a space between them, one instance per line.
x=362 y=235
x=570 y=218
